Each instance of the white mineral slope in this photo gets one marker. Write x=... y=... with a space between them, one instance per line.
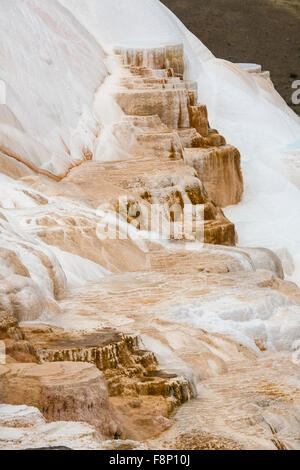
x=244 y=107
x=21 y=209
x=50 y=66
x=58 y=46
x=78 y=270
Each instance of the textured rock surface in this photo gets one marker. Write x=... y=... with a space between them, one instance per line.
x=206 y=358
x=169 y=105
x=142 y=396
x=22 y=298
x=17 y=348
x=20 y=416
x=70 y=435
x=165 y=57
x=219 y=169
x=63 y=391
x=25 y=428
x=9 y=326
x=163 y=117
x=261 y=413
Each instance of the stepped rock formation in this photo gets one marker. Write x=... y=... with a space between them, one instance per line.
x=219 y=169
x=126 y=298
x=183 y=124
x=135 y=384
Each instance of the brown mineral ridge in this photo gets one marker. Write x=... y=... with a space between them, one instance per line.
x=142 y=396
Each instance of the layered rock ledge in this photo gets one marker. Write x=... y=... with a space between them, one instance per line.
x=62 y=392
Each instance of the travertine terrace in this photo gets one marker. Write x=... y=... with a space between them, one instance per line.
x=133 y=339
